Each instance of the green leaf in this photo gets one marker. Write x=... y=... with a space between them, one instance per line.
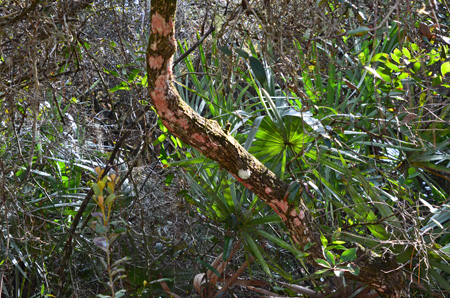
x=293 y=190
x=324 y=240
x=349 y=255
x=323 y=263
x=397 y=53
x=120 y=293
x=355 y=270
x=446 y=249
x=395 y=58
x=308 y=245
x=378 y=56
x=330 y=257
x=133 y=74
x=392 y=66
x=119 y=87
x=445 y=68
x=258 y=70
x=407 y=53
x=120 y=230
x=436 y=81
x=321 y=271
x=439 y=279
x=99 y=228
x=225 y=50
x=242 y=53
x=255 y=249
x=113 y=72
x=274 y=218
x=122 y=260
x=211 y=268
x=227 y=247
x=358 y=31
x=281 y=243
x=96 y=189
x=110 y=199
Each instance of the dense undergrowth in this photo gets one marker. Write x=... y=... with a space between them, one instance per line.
x=353 y=112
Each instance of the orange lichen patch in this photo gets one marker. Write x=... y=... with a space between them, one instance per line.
x=169 y=67
x=166 y=124
x=213 y=145
x=282 y=205
x=172 y=41
x=183 y=123
x=293 y=213
x=198 y=137
x=301 y=215
x=160 y=26
x=159 y=97
x=158 y=94
x=154 y=46
x=248 y=186
x=236 y=177
x=274 y=205
x=155 y=62
x=297 y=222
x=295 y=239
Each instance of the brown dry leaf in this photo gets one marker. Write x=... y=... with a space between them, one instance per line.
x=167 y=290
x=408 y=118
x=198 y=281
x=425 y=31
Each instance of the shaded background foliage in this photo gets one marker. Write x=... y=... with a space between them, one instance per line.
x=355 y=111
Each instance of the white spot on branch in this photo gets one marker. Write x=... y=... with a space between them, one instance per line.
x=244 y=174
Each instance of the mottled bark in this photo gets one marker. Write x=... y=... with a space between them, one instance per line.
x=208 y=137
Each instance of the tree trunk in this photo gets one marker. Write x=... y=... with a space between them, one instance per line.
x=208 y=137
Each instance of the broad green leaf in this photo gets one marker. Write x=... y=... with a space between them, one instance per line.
x=323 y=263
x=445 y=68
x=258 y=70
x=324 y=240
x=321 y=271
x=330 y=257
x=349 y=255
x=225 y=50
x=242 y=53
x=358 y=31
x=406 y=52
x=439 y=279
x=227 y=247
x=395 y=58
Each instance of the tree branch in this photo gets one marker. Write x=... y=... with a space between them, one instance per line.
x=208 y=137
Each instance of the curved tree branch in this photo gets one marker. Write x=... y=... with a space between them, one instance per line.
x=208 y=137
